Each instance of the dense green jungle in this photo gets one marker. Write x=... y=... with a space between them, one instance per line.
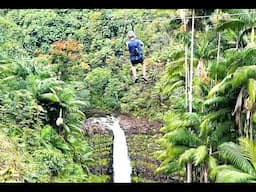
x=59 y=67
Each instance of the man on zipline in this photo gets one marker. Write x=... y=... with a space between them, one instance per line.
x=135 y=49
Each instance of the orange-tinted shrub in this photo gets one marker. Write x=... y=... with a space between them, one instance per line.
x=70 y=48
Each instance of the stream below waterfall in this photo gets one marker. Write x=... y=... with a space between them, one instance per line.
x=121 y=162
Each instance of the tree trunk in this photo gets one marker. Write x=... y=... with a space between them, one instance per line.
x=186 y=76
x=237 y=40
x=189 y=165
x=186 y=64
x=251 y=128
x=191 y=64
x=252 y=35
x=218 y=55
x=189 y=172
x=205 y=173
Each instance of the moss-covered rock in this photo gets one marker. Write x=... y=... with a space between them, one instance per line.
x=100 y=170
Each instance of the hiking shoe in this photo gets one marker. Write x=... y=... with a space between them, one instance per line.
x=144 y=79
x=136 y=80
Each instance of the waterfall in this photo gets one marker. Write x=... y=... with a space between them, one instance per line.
x=121 y=161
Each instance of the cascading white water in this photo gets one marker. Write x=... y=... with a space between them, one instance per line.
x=121 y=161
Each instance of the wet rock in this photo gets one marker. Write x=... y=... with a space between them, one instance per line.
x=91 y=128
x=132 y=124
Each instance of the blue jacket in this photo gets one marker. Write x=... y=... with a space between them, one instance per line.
x=132 y=44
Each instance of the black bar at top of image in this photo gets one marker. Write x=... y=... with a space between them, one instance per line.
x=161 y=4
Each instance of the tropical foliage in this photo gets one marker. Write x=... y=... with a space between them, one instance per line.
x=58 y=65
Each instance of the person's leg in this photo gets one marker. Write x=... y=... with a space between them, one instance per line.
x=134 y=73
x=143 y=66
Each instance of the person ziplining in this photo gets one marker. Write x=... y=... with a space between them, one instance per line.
x=136 y=56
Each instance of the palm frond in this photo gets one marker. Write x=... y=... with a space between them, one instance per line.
x=221 y=130
x=251 y=89
x=173 y=151
x=212 y=162
x=200 y=155
x=169 y=88
x=79 y=103
x=233 y=176
x=214 y=170
x=204 y=126
x=248 y=148
x=50 y=97
x=187 y=156
x=217 y=100
x=242 y=74
x=169 y=168
x=182 y=136
x=223 y=85
x=234 y=25
x=231 y=152
x=172 y=121
x=191 y=120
